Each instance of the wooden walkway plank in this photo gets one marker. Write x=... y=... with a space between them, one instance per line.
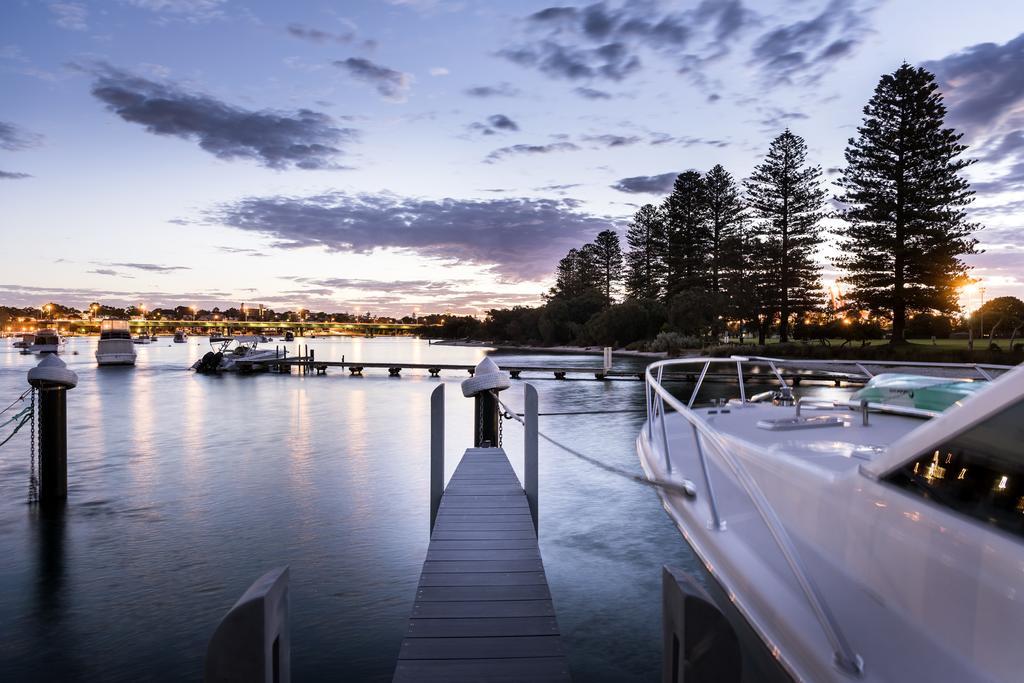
x=483 y=609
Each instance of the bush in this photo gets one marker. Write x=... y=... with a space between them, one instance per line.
x=673 y=343
x=900 y=352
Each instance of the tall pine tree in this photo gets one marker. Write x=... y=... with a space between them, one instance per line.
x=787 y=202
x=724 y=213
x=607 y=259
x=646 y=240
x=576 y=274
x=686 y=223
x=905 y=225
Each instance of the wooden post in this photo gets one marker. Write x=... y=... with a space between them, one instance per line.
x=530 y=443
x=436 y=451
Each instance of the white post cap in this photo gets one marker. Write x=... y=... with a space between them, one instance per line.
x=52 y=370
x=487 y=376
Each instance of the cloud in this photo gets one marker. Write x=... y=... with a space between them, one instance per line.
x=775 y=118
x=187 y=10
x=11 y=175
x=517 y=238
x=646 y=184
x=303 y=139
x=151 y=267
x=244 y=252
x=983 y=85
x=495 y=123
x=499 y=90
x=391 y=84
x=612 y=60
x=439 y=71
x=315 y=35
x=70 y=15
x=592 y=93
x=610 y=140
x=803 y=51
x=514 y=150
x=14 y=138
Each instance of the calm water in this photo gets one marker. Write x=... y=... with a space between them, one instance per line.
x=184 y=488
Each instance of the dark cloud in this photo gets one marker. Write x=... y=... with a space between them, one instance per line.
x=686 y=140
x=518 y=238
x=648 y=184
x=611 y=140
x=495 y=123
x=151 y=267
x=302 y=139
x=105 y=271
x=244 y=252
x=983 y=85
x=15 y=138
x=549 y=188
x=10 y=175
x=592 y=93
x=774 y=119
x=725 y=17
x=392 y=84
x=515 y=150
x=500 y=90
x=612 y=60
x=314 y=35
x=802 y=51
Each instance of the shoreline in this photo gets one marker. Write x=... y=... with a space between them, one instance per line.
x=565 y=350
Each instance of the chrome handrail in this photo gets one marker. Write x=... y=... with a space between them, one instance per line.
x=846 y=659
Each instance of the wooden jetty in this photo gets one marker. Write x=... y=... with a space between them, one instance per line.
x=483 y=611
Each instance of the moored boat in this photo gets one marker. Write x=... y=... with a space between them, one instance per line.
x=115 y=345
x=180 y=337
x=25 y=340
x=243 y=356
x=875 y=534
x=47 y=341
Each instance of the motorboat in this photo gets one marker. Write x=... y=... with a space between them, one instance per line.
x=26 y=340
x=115 y=345
x=846 y=534
x=141 y=339
x=238 y=354
x=289 y=336
x=217 y=338
x=47 y=341
x=153 y=338
x=180 y=337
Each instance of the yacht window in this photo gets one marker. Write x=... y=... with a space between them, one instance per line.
x=979 y=473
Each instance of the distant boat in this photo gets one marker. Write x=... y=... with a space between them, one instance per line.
x=115 y=347
x=234 y=359
x=47 y=341
x=217 y=337
x=152 y=337
x=26 y=340
x=180 y=337
x=141 y=339
x=289 y=336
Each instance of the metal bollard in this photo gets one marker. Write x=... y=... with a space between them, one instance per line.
x=487 y=377
x=51 y=379
x=252 y=643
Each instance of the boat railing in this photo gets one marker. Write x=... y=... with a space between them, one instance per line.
x=659 y=400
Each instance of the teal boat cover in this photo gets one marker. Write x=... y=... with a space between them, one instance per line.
x=916 y=391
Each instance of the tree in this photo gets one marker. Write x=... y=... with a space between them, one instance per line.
x=644 y=266
x=607 y=260
x=576 y=273
x=724 y=214
x=686 y=223
x=1003 y=311
x=787 y=200
x=905 y=225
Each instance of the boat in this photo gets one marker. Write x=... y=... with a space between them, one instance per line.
x=217 y=338
x=47 y=341
x=238 y=354
x=848 y=534
x=180 y=337
x=26 y=340
x=153 y=338
x=289 y=336
x=141 y=339
x=115 y=346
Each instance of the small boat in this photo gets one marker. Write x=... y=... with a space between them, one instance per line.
x=141 y=339
x=180 y=337
x=115 y=347
x=26 y=340
x=217 y=338
x=289 y=336
x=153 y=338
x=868 y=535
x=244 y=356
x=47 y=341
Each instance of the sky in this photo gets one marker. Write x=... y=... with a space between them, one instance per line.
x=439 y=155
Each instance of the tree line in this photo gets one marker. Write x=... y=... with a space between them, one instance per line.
x=720 y=254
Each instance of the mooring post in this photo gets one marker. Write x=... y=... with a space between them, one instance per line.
x=487 y=377
x=52 y=379
x=607 y=359
x=698 y=643
x=436 y=451
x=252 y=643
x=530 y=444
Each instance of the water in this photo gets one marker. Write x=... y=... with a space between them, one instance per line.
x=184 y=488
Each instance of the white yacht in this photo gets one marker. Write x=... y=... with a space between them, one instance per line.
x=143 y=338
x=25 y=341
x=47 y=341
x=237 y=354
x=115 y=346
x=875 y=534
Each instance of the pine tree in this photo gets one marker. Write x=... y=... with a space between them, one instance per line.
x=646 y=240
x=608 y=263
x=905 y=225
x=787 y=201
x=724 y=212
x=686 y=224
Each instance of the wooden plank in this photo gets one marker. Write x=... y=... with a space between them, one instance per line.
x=484 y=579
x=535 y=670
x=470 y=566
x=483 y=627
x=482 y=534
x=434 y=555
x=483 y=517
x=481 y=593
x=449 y=525
x=483 y=545
x=483 y=648
x=483 y=608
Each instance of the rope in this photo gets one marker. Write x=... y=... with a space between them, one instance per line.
x=15 y=401
x=21 y=418
x=625 y=474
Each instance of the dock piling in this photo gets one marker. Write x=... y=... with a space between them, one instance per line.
x=530 y=451
x=436 y=451
x=52 y=379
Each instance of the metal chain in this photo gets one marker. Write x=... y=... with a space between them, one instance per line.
x=479 y=422
x=501 y=422
x=33 y=481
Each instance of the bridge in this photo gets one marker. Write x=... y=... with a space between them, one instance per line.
x=166 y=325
